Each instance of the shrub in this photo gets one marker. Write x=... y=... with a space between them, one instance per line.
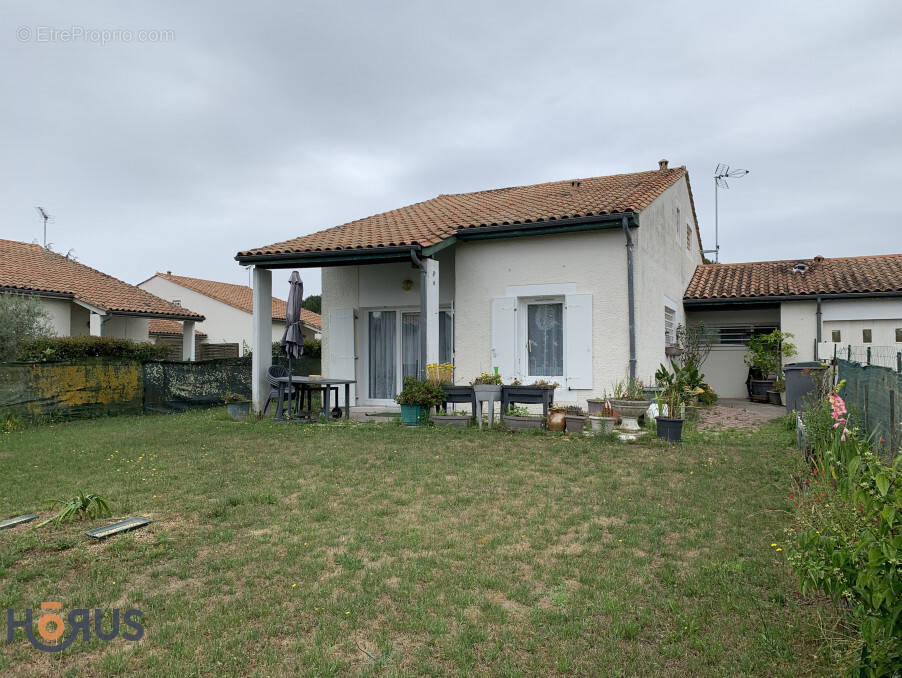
x=313 y=348
x=487 y=379
x=848 y=541
x=416 y=392
x=55 y=349
x=766 y=352
x=22 y=318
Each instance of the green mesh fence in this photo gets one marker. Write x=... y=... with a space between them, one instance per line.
x=875 y=394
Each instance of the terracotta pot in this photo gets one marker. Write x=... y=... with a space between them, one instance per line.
x=557 y=419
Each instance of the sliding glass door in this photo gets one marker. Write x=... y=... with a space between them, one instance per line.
x=382 y=348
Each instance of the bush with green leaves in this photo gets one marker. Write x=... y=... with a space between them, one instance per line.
x=81 y=506
x=848 y=540
x=22 y=318
x=416 y=392
x=766 y=352
x=487 y=379
x=56 y=349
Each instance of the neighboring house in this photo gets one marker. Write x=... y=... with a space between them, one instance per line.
x=228 y=310
x=579 y=282
x=80 y=300
x=844 y=305
x=170 y=333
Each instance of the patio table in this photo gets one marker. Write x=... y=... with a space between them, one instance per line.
x=327 y=384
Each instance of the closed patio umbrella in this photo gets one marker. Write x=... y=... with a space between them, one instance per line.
x=293 y=339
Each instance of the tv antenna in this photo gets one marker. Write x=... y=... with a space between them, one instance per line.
x=721 y=173
x=45 y=217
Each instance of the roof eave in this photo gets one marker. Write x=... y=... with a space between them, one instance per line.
x=723 y=301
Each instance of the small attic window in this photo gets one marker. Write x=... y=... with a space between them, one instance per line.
x=800 y=267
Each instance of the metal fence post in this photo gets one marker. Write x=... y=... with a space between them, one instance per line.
x=867 y=418
x=869 y=355
x=892 y=420
x=849 y=353
x=899 y=361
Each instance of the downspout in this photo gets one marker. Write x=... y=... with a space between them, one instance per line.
x=820 y=324
x=630 y=292
x=422 y=329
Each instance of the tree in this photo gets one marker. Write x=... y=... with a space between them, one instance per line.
x=313 y=303
x=695 y=342
x=22 y=317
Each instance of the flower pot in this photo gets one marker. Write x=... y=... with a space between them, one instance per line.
x=487 y=392
x=451 y=420
x=557 y=419
x=669 y=429
x=238 y=411
x=413 y=415
x=630 y=411
x=595 y=407
x=518 y=423
x=773 y=397
x=574 y=423
x=758 y=389
x=601 y=425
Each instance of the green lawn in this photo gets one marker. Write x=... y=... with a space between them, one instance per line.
x=281 y=550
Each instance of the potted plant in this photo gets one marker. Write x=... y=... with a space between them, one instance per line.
x=595 y=406
x=674 y=390
x=459 y=419
x=416 y=399
x=539 y=392
x=775 y=396
x=575 y=419
x=487 y=386
x=630 y=402
x=520 y=419
x=237 y=406
x=765 y=357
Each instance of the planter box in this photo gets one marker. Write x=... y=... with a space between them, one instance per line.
x=669 y=429
x=595 y=407
x=451 y=420
x=238 y=411
x=458 y=394
x=758 y=389
x=413 y=415
x=487 y=392
x=516 y=423
x=774 y=398
x=575 y=423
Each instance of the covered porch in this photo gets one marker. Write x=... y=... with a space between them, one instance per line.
x=384 y=317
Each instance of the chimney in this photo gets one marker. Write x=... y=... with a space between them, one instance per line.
x=168 y=272
x=819 y=258
x=662 y=164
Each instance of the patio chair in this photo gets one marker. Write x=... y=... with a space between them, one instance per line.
x=273 y=374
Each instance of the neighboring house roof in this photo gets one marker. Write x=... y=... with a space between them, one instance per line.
x=163 y=326
x=430 y=222
x=239 y=296
x=31 y=268
x=872 y=275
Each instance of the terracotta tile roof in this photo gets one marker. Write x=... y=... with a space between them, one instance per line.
x=25 y=266
x=844 y=275
x=165 y=326
x=239 y=296
x=427 y=223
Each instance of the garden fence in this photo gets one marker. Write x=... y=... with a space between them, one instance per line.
x=866 y=354
x=874 y=394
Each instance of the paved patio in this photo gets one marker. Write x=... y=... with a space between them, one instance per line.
x=738 y=413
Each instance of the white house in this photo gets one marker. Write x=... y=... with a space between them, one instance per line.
x=841 y=306
x=80 y=300
x=578 y=281
x=228 y=309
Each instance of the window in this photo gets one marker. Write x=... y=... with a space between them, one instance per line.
x=545 y=339
x=678 y=222
x=866 y=336
x=382 y=333
x=737 y=335
x=669 y=326
x=836 y=336
x=177 y=302
x=899 y=335
x=688 y=237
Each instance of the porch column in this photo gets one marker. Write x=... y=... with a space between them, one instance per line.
x=261 y=336
x=432 y=344
x=187 y=340
x=96 y=325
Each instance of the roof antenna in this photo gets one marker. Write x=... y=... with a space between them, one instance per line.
x=46 y=218
x=721 y=173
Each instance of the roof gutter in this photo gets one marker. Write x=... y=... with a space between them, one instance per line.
x=345 y=257
x=720 y=301
x=630 y=294
x=552 y=226
x=167 y=316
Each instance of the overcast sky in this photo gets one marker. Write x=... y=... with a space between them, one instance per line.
x=205 y=128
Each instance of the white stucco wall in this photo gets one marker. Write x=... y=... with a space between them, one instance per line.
x=800 y=319
x=126 y=327
x=58 y=315
x=664 y=265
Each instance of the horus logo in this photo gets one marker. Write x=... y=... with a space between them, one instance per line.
x=51 y=626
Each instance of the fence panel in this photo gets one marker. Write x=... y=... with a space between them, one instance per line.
x=874 y=393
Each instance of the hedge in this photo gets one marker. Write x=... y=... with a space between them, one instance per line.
x=55 y=349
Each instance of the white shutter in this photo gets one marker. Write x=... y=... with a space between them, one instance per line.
x=340 y=342
x=578 y=341
x=504 y=336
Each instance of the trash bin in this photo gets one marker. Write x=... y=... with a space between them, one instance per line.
x=801 y=379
